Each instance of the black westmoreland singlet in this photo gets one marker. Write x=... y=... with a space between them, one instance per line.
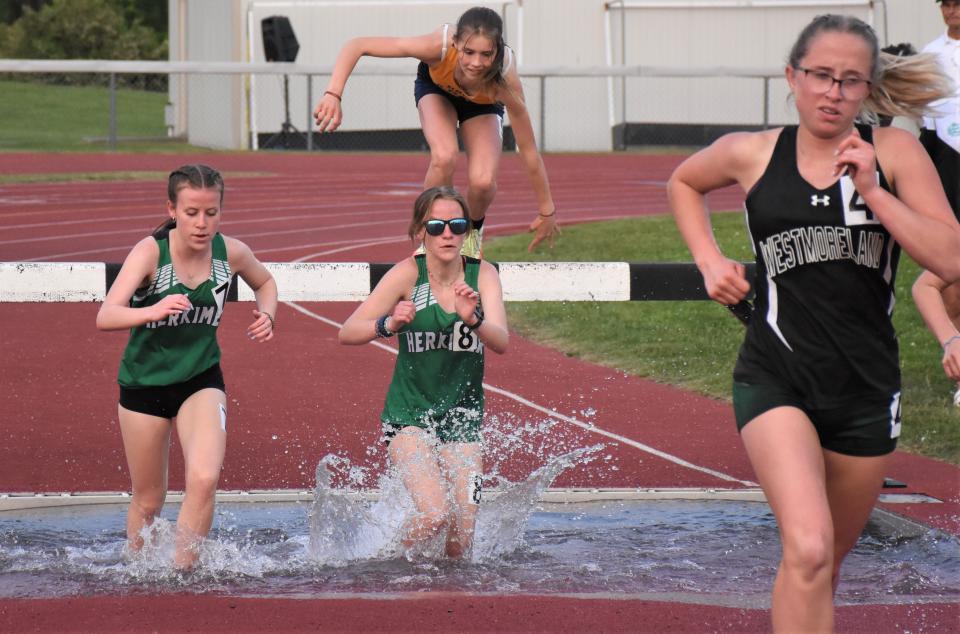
x=824 y=287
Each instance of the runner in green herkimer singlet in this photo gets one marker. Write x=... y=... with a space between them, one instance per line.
x=181 y=346
x=434 y=407
x=170 y=294
x=437 y=344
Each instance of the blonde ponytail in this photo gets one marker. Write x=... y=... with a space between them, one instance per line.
x=902 y=86
x=906 y=86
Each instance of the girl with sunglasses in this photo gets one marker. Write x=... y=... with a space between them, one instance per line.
x=465 y=80
x=434 y=406
x=829 y=203
x=170 y=294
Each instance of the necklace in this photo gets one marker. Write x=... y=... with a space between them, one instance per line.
x=443 y=284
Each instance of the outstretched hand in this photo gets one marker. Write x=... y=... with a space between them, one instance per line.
x=328 y=113
x=544 y=228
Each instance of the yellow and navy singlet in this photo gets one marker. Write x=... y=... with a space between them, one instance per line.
x=438 y=377
x=442 y=74
x=824 y=287
x=178 y=348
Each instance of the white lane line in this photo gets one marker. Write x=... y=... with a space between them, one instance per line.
x=358 y=243
x=239 y=236
x=553 y=414
x=353 y=245
x=361 y=245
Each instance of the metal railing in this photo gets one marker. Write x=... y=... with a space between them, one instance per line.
x=229 y=105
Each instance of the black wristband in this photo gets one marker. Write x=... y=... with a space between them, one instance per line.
x=479 y=315
x=381 y=328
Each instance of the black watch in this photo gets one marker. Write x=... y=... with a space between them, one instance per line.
x=478 y=313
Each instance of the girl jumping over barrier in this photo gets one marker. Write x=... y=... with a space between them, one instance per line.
x=466 y=77
x=170 y=293
x=829 y=204
x=446 y=310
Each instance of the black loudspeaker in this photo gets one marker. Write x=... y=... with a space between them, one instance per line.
x=279 y=42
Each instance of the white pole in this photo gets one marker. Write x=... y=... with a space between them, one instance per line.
x=182 y=120
x=741 y=4
x=608 y=54
x=519 y=32
x=252 y=93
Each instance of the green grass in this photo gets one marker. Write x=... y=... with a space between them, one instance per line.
x=14 y=179
x=40 y=117
x=694 y=344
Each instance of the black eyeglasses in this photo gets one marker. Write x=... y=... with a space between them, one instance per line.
x=458 y=226
x=821 y=82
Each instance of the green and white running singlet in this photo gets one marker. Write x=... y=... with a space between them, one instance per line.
x=178 y=348
x=438 y=379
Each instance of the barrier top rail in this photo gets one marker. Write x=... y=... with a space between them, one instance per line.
x=353 y=281
x=285 y=68
x=736 y=4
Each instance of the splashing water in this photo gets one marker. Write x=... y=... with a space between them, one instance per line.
x=708 y=549
x=344 y=527
x=501 y=521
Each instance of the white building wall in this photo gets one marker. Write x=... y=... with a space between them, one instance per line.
x=214 y=104
x=555 y=33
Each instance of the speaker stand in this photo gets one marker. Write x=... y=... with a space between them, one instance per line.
x=288 y=132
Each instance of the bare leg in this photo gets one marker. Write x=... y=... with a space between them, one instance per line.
x=786 y=456
x=415 y=457
x=463 y=467
x=146 y=441
x=853 y=484
x=483 y=141
x=438 y=121
x=201 y=427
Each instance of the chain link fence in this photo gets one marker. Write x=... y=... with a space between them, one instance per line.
x=269 y=106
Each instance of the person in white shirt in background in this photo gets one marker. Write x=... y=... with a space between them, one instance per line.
x=940 y=134
x=937 y=301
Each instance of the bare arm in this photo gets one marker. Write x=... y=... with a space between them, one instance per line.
x=918 y=216
x=258 y=278
x=492 y=331
x=426 y=48
x=545 y=224
x=733 y=158
x=389 y=297
x=116 y=313
x=927 y=293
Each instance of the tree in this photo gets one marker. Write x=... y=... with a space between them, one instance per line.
x=81 y=29
x=84 y=29
x=11 y=10
x=150 y=13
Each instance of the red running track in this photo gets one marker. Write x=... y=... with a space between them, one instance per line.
x=302 y=396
